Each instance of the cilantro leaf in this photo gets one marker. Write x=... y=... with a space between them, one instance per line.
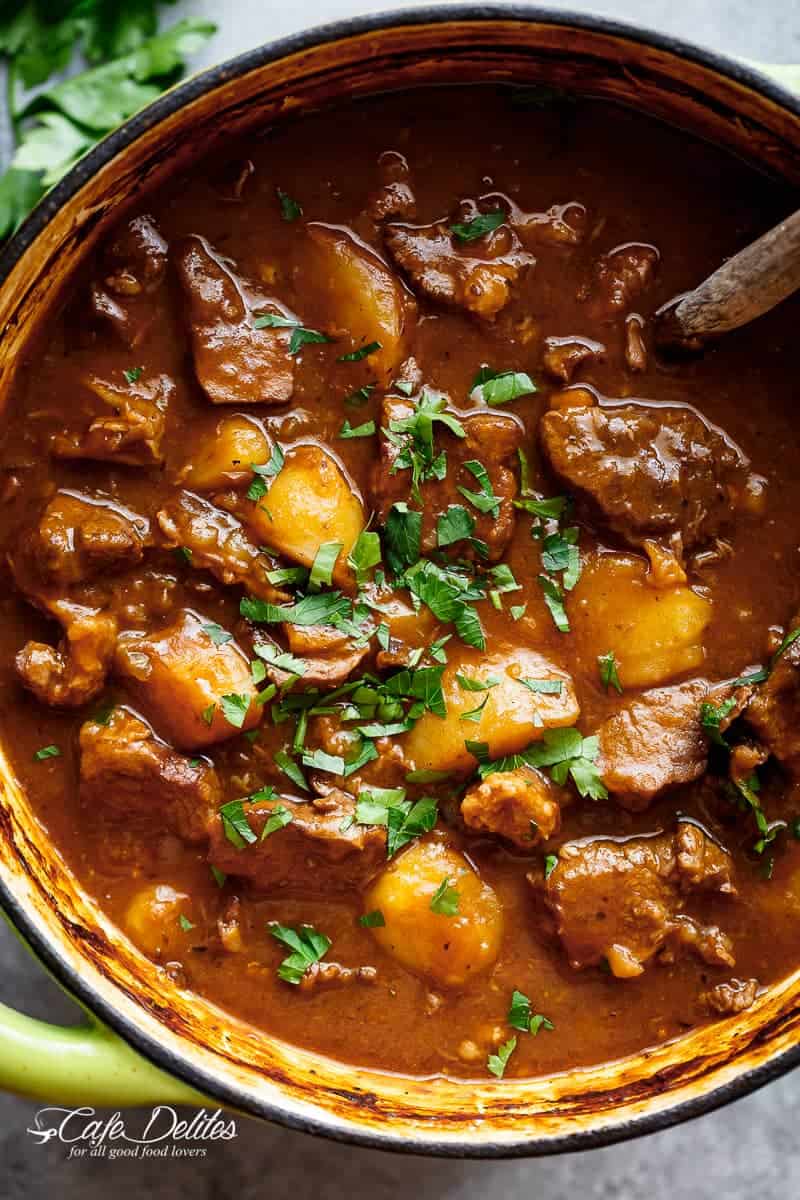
x=520 y=1016
x=551 y=509
x=365 y=555
x=279 y=818
x=308 y=946
x=546 y=687
x=497 y=1063
x=319 y=760
x=217 y=634
x=290 y=770
x=712 y=716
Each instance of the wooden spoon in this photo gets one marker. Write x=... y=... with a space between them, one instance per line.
x=747 y=285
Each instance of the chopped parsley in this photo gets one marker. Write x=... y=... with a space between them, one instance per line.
x=362 y=352
x=550 y=864
x=551 y=509
x=47 y=752
x=133 y=374
x=264 y=471
x=560 y=554
x=609 y=676
x=372 y=920
x=712 y=716
x=409 y=821
x=403 y=535
x=520 y=1016
x=290 y=209
x=479 y=226
x=365 y=555
x=235 y=824
x=468 y=684
x=360 y=396
x=564 y=752
x=449 y=594
x=500 y=387
x=357 y=431
x=546 y=687
x=218 y=635
x=279 y=818
x=320 y=760
x=322 y=608
x=497 y=1063
x=485 y=500
x=454 y=525
x=208 y=713
x=235 y=707
x=301 y=336
x=308 y=946
x=412 y=437
x=323 y=565
x=554 y=599
x=218 y=876
x=290 y=769
x=185 y=923
x=445 y=899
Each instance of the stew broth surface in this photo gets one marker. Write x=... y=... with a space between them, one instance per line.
x=625 y=179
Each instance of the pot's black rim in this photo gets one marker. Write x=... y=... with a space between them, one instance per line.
x=48 y=950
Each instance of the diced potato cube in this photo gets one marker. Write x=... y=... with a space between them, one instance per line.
x=450 y=950
x=359 y=294
x=512 y=717
x=183 y=679
x=225 y=459
x=153 y=921
x=655 y=634
x=310 y=501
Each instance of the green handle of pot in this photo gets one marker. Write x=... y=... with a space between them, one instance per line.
x=80 y=1065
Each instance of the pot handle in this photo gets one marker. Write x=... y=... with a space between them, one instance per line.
x=76 y=1065
x=787 y=75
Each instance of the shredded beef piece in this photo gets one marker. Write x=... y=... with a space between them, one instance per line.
x=235 y=362
x=317 y=853
x=476 y=275
x=217 y=543
x=620 y=277
x=523 y=806
x=564 y=355
x=72 y=673
x=492 y=439
x=132 y=268
x=126 y=769
x=394 y=198
x=774 y=711
x=735 y=996
x=621 y=900
x=129 y=430
x=653 y=742
x=78 y=537
x=648 y=473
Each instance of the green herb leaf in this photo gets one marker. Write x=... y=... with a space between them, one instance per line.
x=445 y=899
x=319 y=760
x=550 y=864
x=279 y=818
x=291 y=770
x=609 y=676
x=403 y=532
x=360 y=396
x=357 y=431
x=405 y=823
x=485 y=501
x=47 y=752
x=323 y=565
x=497 y=1063
x=551 y=509
x=235 y=824
x=372 y=920
x=208 y=713
x=133 y=374
x=500 y=387
x=218 y=635
x=235 y=707
x=362 y=352
x=478 y=227
x=320 y=609
x=365 y=555
x=554 y=599
x=547 y=687
x=469 y=684
x=308 y=946
x=454 y=525
x=290 y=209
x=712 y=716
x=185 y=923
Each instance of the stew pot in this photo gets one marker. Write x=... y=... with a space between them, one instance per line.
x=146 y=1039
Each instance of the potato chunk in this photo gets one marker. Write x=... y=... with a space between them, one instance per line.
x=226 y=459
x=188 y=684
x=153 y=921
x=310 y=501
x=512 y=718
x=450 y=950
x=654 y=633
x=360 y=295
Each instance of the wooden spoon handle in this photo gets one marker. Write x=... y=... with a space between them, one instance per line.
x=747 y=285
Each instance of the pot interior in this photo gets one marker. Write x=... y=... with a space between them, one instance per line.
x=182 y=1031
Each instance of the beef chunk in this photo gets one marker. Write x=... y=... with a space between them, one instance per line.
x=648 y=473
x=78 y=537
x=198 y=692
x=621 y=900
x=523 y=806
x=476 y=275
x=126 y=769
x=654 y=742
x=317 y=853
x=620 y=277
x=564 y=355
x=235 y=363
x=560 y=225
x=128 y=429
x=132 y=268
x=492 y=439
x=74 y=672
x=731 y=998
x=774 y=712
x=217 y=543
x=394 y=197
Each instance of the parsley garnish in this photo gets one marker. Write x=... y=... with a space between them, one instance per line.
x=290 y=769
x=290 y=209
x=323 y=565
x=360 y=396
x=219 y=876
x=357 y=431
x=235 y=707
x=500 y=387
x=185 y=923
x=554 y=599
x=279 y=818
x=308 y=946
x=413 y=438
x=565 y=752
x=208 y=713
x=218 y=635
x=403 y=533
x=448 y=593
x=236 y=825
x=454 y=525
x=468 y=684
x=320 y=609
x=560 y=554
x=301 y=336
x=47 y=752
x=132 y=375
x=485 y=501
x=497 y=1062
x=520 y=1016
x=551 y=509
x=478 y=227
x=712 y=716
x=320 y=760
x=264 y=471
x=445 y=899
x=409 y=821
x=609 y=677
x=362 y=352
x=372 y=920
x=550 y=864
x=365 y=555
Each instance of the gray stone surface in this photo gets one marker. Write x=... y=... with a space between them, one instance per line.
x=749 y=1150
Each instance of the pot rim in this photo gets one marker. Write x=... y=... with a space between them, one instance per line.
x=47 y=949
